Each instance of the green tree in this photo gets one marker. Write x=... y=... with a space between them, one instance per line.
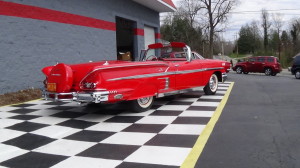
x=179 y=29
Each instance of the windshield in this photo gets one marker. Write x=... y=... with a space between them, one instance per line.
x=166 y=53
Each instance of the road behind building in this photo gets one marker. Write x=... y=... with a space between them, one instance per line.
x=259 y=127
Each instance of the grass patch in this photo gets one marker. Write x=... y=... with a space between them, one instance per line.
x=20 y=96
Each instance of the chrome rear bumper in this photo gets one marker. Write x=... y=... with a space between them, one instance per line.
x=83 y=97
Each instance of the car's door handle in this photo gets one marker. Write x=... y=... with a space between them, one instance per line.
x=177 y=65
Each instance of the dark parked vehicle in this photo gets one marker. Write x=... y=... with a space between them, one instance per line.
x=261 y=64
x=296 y=67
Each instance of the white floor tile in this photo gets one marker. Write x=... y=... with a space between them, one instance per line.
x=7 y=114
x=41 y=106
x=187 y=99
x=129 y=138
x=94 y=117
x=211 y=97
x=173 y=107
x=44 y=112
x=159 y=155
x=157 y=120
x=221 y=92
x=146 y=113
x=8 y=122
x=197 y=114
x=7 y=134
x=110 y=127
x=8 y=152
x=49 y=120
x=8 y=108
x=65 y=147
x=80 y=162
x=201 y=103
x=183 y=129
x=56 y=131
x=222 y=87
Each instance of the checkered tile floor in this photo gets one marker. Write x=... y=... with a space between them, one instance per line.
x=48 y=134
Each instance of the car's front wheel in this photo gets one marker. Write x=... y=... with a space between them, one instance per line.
x=239 y=70
x=142 y=104
x=212 y=85
x=297 y=74
x=268 y=71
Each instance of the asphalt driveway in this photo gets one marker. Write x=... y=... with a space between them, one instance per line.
x=259 y=126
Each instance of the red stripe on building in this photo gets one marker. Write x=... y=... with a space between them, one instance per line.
x=157 y=35
x=170 y=2
x=139 y=32
x=32 y=12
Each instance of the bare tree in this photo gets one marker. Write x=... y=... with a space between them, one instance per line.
x=216 y=12
x=278 y=23
x=266 y=24
x=192 y=8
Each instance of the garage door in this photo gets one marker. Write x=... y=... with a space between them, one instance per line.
x=149 y=36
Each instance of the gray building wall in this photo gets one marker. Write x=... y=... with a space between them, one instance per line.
x=28 y=45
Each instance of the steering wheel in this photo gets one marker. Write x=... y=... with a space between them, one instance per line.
x=152 y=58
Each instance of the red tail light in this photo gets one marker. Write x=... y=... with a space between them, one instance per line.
x=91 y=81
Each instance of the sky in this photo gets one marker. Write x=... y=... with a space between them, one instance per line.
x=242 y=14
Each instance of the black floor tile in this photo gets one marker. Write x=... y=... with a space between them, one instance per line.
x=186 y=141
x=77 y=124
x=191 y=120
x=143 y=165
x=62 y=107
x=23 y=105
x=202 y=108
x=209 y=100
x=29 y=141
x=68 y=114
x=154 y=107
x=27 y=126
x=146 y=128
x=34 y=160
x=90 y=136
x=166 y=113
x=56 y=103
x=109 y=151
x=23 y=111
x=24 y=117
x=179 y=103
x=124 y=119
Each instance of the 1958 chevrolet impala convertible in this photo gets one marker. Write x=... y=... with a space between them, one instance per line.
x=163 y=70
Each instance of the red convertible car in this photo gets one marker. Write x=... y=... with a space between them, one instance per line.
x=158 y=74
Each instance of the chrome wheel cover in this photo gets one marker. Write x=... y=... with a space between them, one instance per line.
x=239 y=70
x=268 y=71
x=145 y=102
x=213 y=83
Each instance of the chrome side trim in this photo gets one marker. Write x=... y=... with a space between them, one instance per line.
x=164 y=74
x=143 y=76
x=179 y=91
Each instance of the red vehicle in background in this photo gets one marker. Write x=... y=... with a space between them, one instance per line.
x=262 y=64
x=158 y=74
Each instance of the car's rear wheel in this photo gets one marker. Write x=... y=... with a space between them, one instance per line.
x=239 y=70
x=142 y=104
x=212 y=85
x=297 y=74
x=245 y=72
x=268 y=71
